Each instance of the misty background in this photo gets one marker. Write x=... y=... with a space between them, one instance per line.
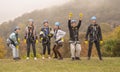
x=10 y=9
x=17 y=12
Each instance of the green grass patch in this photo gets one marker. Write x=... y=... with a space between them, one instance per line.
x=66 y=65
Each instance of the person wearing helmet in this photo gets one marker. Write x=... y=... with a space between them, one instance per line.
x=75 y=46
x=58 y=36
x=30 y=38
x=13 y=43
x=45 y=37
x=94 y=35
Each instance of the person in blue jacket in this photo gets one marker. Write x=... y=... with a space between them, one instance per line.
x=45 y=37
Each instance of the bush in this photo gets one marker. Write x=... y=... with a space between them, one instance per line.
x=111 y=46
x=2 y=49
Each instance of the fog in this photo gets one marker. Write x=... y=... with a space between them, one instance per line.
x=10 y=9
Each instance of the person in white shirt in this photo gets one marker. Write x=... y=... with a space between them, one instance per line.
x=58 y=35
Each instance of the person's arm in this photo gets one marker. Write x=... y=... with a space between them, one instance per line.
x=36 y=37
x=87 y=33
x=41 y=35
x=69 y=23
x=25 y=35
x=100 y=33
x=79 y=24
x=51 y=33
x=69 y=20
x=80 y=20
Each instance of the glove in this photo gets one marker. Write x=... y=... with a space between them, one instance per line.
x=101 y=42
x=70 y=15
x=24 y=40
x=41 y=39
x=62 y=39
x=86 y=42
x=50 y=35
x=17 y=46
x=36 y=41
x=19 y=40
x=81 y=15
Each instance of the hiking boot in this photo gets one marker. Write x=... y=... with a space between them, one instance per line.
x=77 y=58
x=60 y=58
x=18 y=58
x=88 y=58
x=15 y=58
x=73 y=58
x=55 y=57
x=101 y=59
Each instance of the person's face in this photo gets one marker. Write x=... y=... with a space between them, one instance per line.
x=73 y=24
x=18 y=30
x=94 y=21
x=46 y=24
x=30 y=23
x=55 y=27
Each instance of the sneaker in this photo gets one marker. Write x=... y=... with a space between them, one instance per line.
x=60 y=58
x=27 y=58
x=49 y=57
x=43 y=57
x=35 y=58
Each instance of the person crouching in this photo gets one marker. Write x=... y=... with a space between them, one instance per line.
x=58 y=35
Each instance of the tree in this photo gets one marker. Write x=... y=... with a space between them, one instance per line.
x=2 y=48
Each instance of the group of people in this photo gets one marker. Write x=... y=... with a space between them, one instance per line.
x=93 y=35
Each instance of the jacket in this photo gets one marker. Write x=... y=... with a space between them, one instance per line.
x=74 y=31
x=94 y=33
x=14 y=38
x=30 y=33
x=58 y=35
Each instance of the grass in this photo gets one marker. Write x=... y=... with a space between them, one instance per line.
x=66 y=65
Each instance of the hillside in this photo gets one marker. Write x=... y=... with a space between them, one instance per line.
x=106 y=11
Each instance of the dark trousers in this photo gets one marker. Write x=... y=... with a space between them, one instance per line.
x=56 y=51
x=97 y=44
x=33 y=47
x=46 y=46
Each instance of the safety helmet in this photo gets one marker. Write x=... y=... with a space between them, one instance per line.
x=57 y=23
x=45 y=21
x=73 y=21
x=93 y=18
x=30 y=20
x=17 y=28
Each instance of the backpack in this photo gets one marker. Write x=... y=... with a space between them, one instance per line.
x=9 y=41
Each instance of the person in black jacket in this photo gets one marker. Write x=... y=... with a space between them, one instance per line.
x=94 y=35
x=30 y=38
x=75 y=46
